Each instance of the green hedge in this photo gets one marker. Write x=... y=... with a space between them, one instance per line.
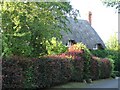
x=77 y=63
x=101 y=68
x=15 y=70
x=51 y=71
x=112 y=54
x=35 y=73
x=48 y=71
x=94 y=69
x=105 y=68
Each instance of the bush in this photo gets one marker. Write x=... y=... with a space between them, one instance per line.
x=111 y=54
x=55 y=47
x=105 y=68
x=101 y=68
x=14 y=72
x=35 y=73
x=85 y=54
x=100 y=53
x=78 y=68
x=52 y=70
x=95 y=68
x=77 y=65
x=117 y=73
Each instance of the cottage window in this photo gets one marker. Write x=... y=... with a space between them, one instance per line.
x=71 y=42
x=98 y=46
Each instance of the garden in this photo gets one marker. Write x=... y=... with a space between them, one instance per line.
x=32 y=56
x=76 y=64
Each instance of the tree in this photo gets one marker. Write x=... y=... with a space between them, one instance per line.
x=113 y=50
x=27 y=26
x=111 y=3
x=112 y=43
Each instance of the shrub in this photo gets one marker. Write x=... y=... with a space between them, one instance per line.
x=81 y=51
x=101 y=68
x=52 y=70
x=13 y=70
x=116 y=73
x=35 y=73
x=112 y=54
x=100 y=53
x=77 y=64
x=105 y=68
x=115 y=56
x=95 y=68
x=55 y=47
x=12 y=74
x=77 y=69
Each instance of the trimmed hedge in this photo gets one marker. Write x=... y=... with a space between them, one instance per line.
x=95 y=68
x=35 y=73
x=47 y=71
x=78 y=68
x=14 y=71
x=105 y=68
x=51 y=71
x=77 y=63
x=100 y=68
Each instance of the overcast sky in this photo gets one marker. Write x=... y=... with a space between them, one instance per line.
x=104 y=19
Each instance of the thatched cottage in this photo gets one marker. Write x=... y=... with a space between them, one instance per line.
x=82 y=31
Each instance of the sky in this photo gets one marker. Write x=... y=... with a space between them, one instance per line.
x=104 y=19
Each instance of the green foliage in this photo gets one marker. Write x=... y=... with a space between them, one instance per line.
x=55 y=47
x=0 y=46
x=112 y=43
x=110 y=54
x=29 y=77
x=14 y=71
x=101 y=68
x=95 y=69
x=111 y=51
x=78 y=68
x=111 y=3
x=112 y=63
x=100 y=53
x=105 y=68
x=116 y=73
x=52 y=70
x=26 y=26
x=87 y=57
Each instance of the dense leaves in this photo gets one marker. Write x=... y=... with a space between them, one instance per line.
x=55 y=47
x=27 y=26
x=112 y=51
x=112 y=43
x=51 y=70
x=111 y=3
x=54 y=69
x=81 y=48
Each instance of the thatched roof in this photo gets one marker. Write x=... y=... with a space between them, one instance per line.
x=81 y=31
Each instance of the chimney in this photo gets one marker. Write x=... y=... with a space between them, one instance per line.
x=90 y=17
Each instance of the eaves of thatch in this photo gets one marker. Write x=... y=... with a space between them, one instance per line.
x=82 y=31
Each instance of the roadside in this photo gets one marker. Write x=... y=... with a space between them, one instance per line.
x=103 y=83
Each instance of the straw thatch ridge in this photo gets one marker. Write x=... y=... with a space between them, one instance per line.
x=81 y=31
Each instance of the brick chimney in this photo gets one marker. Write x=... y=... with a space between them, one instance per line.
x=90 y=17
